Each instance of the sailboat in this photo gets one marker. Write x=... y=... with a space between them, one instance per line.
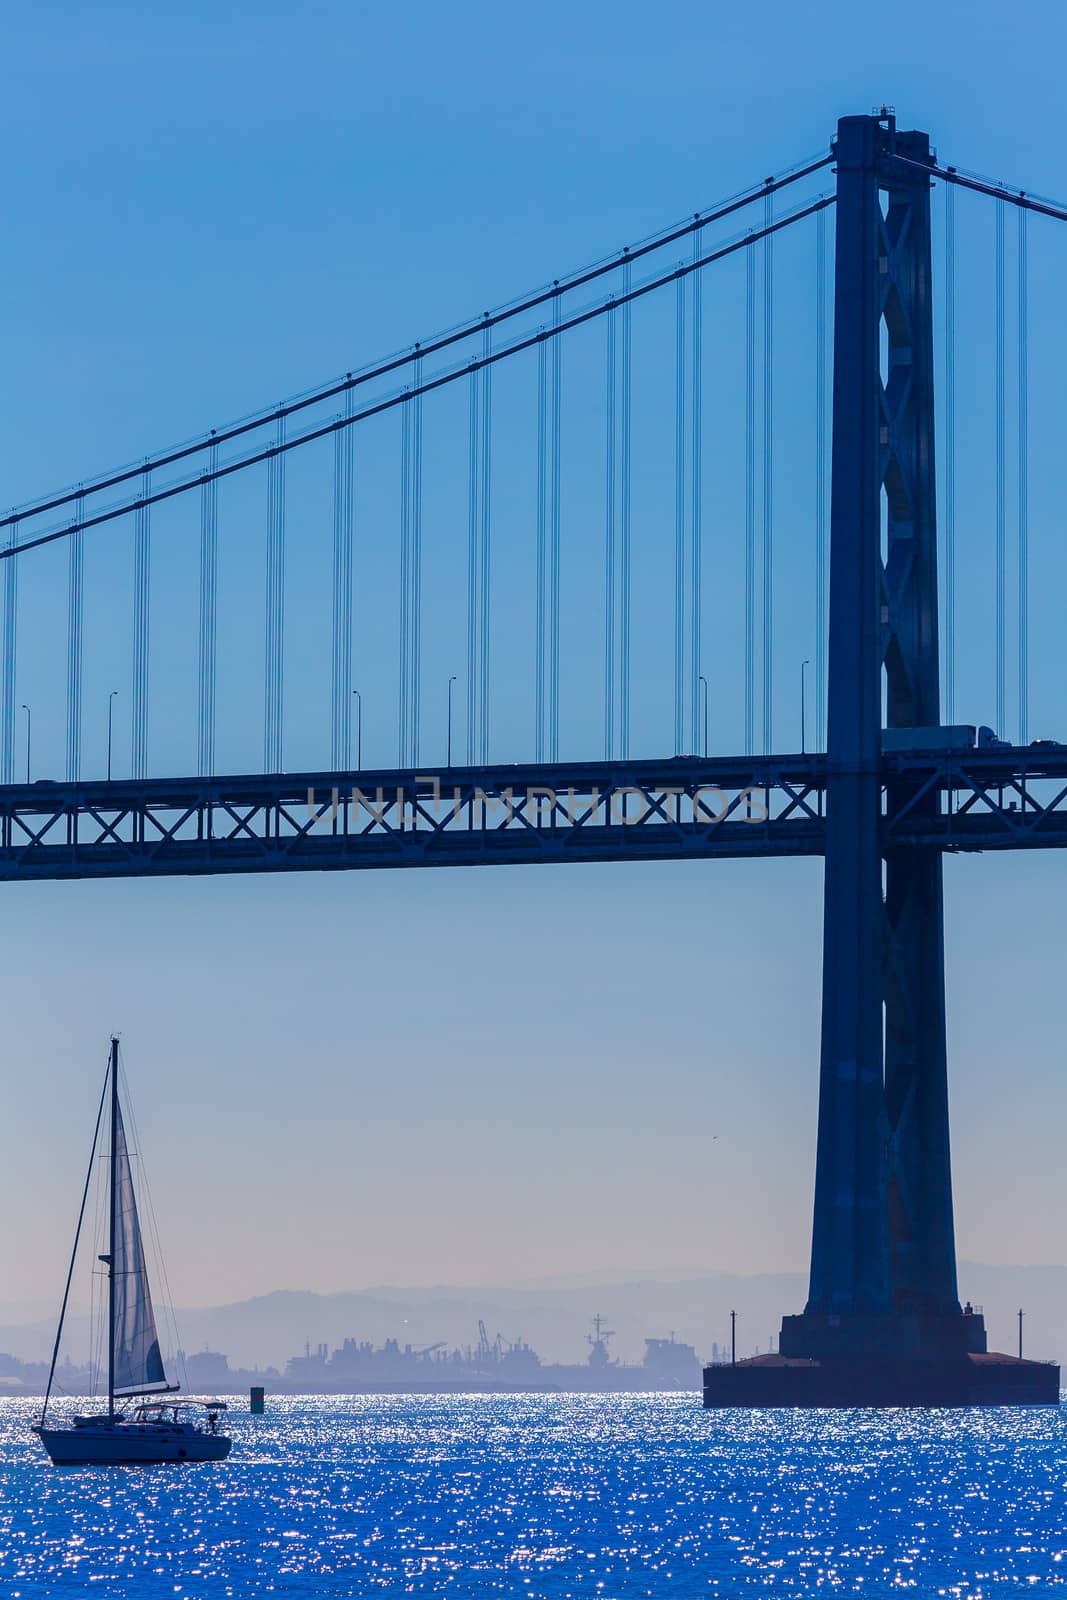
x=139 y=1425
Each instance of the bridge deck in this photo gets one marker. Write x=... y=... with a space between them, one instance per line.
x=672 y=809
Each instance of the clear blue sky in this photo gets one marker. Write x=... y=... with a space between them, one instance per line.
x=467 y=1076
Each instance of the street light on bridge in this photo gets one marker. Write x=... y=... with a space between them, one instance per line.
x=26 y=708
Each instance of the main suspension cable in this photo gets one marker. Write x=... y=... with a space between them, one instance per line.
x=424 y=348
x=476 y=364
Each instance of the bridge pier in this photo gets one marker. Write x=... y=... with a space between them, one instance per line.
x=883 y=1324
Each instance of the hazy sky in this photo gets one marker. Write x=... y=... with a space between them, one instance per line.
x=480 y=1074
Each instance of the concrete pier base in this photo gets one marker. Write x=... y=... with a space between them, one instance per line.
x=846 y=1381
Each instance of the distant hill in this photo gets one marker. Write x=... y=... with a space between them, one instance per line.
x=554 y=1315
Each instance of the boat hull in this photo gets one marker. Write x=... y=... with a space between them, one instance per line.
x=130 y=1444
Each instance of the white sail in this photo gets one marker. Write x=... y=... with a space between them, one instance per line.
x=138 y=1362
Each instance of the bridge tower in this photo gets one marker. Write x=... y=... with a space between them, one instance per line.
x=883 y=1324
x=883 y=1267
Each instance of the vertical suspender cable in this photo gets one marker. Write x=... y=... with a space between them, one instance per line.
x=341 y=699
x=7 y=761
x=1001 y=472
x=275 y=608
x=950 y=452
x=768 y=478
x=280 y=632
x=415 y=632
x=209 y=501
x=1024 y=484
x=404 y=719
x=609 y=538
x=679 y=519
x=335 y=646
x=625 y=417
x=478 y=556
x=542 y=551
x=473 y=533
x=486 y=508
x=268 y=623
x=750 y=500
x=141 y=589
x=999 y=407
x=556 y=387
x=695 y=535
x=75 y=571
x=820 y=481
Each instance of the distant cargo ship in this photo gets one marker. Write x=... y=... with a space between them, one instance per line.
x=359 y=1367
x=496 y=1365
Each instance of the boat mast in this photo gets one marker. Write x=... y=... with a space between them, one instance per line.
x=111 y=1236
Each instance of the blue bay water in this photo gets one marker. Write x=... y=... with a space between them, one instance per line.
x=571 y=1495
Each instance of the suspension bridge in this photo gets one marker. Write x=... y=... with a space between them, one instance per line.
x=517 y=506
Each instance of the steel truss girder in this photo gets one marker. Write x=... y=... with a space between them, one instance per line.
x=669 y=810
x=1007 y=799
